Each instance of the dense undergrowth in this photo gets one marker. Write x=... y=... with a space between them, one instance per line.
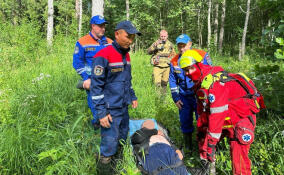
x=45 y=122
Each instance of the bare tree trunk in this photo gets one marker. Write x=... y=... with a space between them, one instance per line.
x=216 y=24
x=199 y=28
x=127 y=9
x=80 y=18
x=221 y=35
x=209 y=23
x=50 y=23
x=97 y=7
x=243 y=46
x=77 y=9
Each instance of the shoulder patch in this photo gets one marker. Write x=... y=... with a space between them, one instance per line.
x=76 y=50
x=211 y=98
x=98 y=70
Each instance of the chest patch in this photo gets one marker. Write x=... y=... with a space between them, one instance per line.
x=177 y=71
x=90 y=49
x=117 y=69
x=211 y=98
x=98 y=70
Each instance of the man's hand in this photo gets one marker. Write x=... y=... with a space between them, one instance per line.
x=87 y=84
x=179 y=154
x=160 y=133
x=105 y=122
x=134 y=104
x=179 y=104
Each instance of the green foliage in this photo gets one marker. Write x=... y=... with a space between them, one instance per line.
x=279 y=54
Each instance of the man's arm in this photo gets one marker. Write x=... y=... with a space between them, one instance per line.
x=98 y=80
x=79 y=61
x=174 y=87
x=153 y=48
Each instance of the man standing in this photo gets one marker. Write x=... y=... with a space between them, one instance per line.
x=227 y=104
x=85 y=49
x=181 y=88
x=162 y=51
x=112 y=91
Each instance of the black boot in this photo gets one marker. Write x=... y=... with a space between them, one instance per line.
x=188 y=141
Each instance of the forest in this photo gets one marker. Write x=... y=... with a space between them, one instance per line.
x=45 y=121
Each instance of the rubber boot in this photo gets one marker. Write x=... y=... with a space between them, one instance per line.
x=188 y=141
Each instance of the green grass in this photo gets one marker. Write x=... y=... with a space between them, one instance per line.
x=45 y=122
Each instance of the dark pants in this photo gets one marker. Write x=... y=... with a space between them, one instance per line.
x=186 y=113
x=119 y=129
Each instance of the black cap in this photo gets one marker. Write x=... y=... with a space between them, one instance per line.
x=128 y=27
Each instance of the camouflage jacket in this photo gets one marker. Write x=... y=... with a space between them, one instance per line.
x=162 y=53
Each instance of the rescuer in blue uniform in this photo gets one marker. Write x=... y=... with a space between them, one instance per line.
x=85 y=49
x=111 y=89
x=181 y=88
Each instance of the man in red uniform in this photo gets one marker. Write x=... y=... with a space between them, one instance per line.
x=226 y=107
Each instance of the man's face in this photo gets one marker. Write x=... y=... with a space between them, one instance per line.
x=184 y=47
x=98 y=30
x=164 y=36
x=124 y=39
x=189 y=70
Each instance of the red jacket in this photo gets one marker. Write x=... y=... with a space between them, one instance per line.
x=220 y=105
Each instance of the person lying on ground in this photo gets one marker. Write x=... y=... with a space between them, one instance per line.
x=156 y=153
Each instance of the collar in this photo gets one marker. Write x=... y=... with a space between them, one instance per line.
x=119 y=48
x=103 y=40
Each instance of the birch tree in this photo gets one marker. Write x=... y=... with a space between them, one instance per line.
x=221 y=34
x=216 y=24
x=209 y=23
x=50 y=22
x=80 y=17
x=243 y=44
x=127 y=9
x=97 y=7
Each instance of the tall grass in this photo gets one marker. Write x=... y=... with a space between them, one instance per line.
x=45 y=123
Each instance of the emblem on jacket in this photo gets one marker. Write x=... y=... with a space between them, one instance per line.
x=211 y=98
x=76 y=50
x=98 y=70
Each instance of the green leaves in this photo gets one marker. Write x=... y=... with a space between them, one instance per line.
x=279 y=54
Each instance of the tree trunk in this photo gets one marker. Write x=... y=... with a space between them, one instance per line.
x=77 y=9
x=209 y=23
x=243 y=45
x=216 y=24
x=221 y=35
x=97 y=7
x=50 y=23
x=80 y=18
x=199 y=28
x=127 y=9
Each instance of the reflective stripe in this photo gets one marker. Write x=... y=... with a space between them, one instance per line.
x=116 y=64
x=128 y=62
x=228 y=126
x=219 y=109
x=80 y=71
x=215 y=135
x=98 y=97
x=174 y=88
x=91 y=45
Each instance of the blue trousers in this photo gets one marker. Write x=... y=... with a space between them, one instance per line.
x=186 y=113
x=91 y=106
x=118 y=130
x=163 y=155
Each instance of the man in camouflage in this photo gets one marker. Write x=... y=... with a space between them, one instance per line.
x=162 y=51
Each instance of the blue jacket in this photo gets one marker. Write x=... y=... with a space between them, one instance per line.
x=180 y=84
x=85 y=49
x=111 y=87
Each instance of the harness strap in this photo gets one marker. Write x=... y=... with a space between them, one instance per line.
x=162 y=168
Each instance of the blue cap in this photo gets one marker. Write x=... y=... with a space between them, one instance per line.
x=98 y=19
x=183 y=38
x=128 y=27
